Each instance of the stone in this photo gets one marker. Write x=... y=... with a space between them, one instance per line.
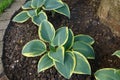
x=1 y=35
x=1 y=68
x=1 y=48
x=5 y=16
x=4 y=77
x=4 y=24
x=109 y=14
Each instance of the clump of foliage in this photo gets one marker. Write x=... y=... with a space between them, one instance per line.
x=61 y=49
x=109 y=73
x=35 y=9
x=4 y=4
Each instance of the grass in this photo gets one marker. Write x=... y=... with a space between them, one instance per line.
x=4 y=4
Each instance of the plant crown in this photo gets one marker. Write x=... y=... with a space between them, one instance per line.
x=35 y=9
x=61 y=49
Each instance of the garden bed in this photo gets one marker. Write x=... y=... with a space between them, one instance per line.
x=83 y=21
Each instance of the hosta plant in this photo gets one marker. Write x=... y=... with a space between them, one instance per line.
x=61 y=49
x=109 y=73
x=35 y=9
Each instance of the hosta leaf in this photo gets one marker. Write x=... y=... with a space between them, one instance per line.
x=85 y=49
x=39 y=18
x=44 y=63
x=32 y=13
x=117 y=53
x=107 y=74
x=84 y=38
x=27 y=5
x=53 y=4
x=82 y=65
x=67 y=68
x=70 y=40
x=21 y=17
x=57 y=55
x=46 y=31
x=61 y=37
x=64 y=10
x=34 y=48
x=37 y=3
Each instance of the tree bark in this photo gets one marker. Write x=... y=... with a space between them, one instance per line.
x=109 y=14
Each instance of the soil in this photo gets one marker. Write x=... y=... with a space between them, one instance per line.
x=83 y=21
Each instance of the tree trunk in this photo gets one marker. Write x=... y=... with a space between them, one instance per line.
x=109 y=14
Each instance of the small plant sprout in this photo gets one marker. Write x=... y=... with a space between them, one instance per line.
x=117 y=53
x=66 y=52
x=35 y=9
x=109 y=73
